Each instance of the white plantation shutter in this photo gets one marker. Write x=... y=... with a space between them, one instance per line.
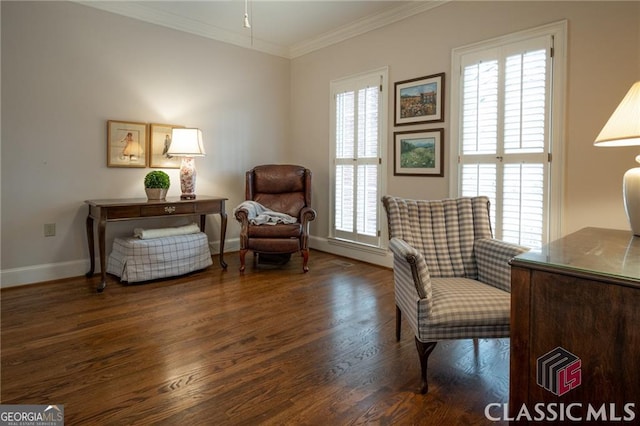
x=480 y=108
x=356 y=128
x=480 y=179
x=345 y=190
x=505 y=149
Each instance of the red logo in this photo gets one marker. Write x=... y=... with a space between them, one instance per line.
x=559 y=371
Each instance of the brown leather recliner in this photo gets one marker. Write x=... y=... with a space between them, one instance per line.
x=283 y=189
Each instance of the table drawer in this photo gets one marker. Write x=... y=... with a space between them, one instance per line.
x=123 y=212
x=209 y=206
x=166 y=209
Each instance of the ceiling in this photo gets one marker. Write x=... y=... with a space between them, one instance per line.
x=287 y=28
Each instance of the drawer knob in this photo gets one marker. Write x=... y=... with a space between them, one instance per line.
x=169 y=209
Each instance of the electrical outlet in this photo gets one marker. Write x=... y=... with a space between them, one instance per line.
x=49 y=229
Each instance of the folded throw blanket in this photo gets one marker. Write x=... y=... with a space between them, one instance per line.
x=260 y=215
x=145 y=234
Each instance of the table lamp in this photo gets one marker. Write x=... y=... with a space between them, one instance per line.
x=623 y=129
x=187 y=143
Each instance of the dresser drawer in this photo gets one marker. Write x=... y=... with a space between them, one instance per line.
x=166 y=209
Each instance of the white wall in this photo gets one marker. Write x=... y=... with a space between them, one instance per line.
x=603 y=62
x=66 y=70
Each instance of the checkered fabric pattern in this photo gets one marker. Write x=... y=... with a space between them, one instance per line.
x=463 y=309
x=490 y=257
x=135 y=260
x=443 y=231
x=452 y=279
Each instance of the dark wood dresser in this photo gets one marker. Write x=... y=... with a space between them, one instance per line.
x=575 y=328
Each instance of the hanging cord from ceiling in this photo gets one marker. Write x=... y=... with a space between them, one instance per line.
x=246 y=23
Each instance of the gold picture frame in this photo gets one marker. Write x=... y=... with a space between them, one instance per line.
x=126 y=144
x=159 y=142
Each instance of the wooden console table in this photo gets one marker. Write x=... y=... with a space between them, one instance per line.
x=140 y=208
x=580 y=293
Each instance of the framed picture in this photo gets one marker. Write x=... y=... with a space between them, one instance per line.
x=126 y=144
x=419 y=153
x=420 y=100
x=159 y=142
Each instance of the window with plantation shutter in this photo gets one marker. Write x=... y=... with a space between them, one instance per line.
x=358 y=133
x=505 y=139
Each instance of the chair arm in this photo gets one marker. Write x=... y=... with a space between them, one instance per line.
x=492 y=258
x=307 y=214
x=410 y=271
x=241 y=215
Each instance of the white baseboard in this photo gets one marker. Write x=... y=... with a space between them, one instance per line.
x=46 y=272
x=230 y=244
x=379 y=257
x=76 y=268
x=367 y=254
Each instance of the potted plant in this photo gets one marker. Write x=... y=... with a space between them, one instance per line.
x=156 y=184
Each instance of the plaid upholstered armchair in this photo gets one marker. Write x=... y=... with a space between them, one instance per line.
x=452 y=279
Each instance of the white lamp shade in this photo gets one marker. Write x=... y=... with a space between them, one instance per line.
x=623 y=127
x=186 y=143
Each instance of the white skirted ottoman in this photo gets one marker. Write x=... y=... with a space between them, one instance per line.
x=134 y=259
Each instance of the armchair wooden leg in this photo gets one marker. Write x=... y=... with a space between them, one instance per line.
x=424 y=350
x=243 y=253
x=305 y=259
x=398 y=323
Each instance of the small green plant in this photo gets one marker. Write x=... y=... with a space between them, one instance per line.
x=157 y=179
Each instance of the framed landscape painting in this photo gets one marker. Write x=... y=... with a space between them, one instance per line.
x=419 y=100
x=419 y=153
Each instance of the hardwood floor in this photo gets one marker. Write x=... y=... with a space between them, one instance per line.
x=272 y=346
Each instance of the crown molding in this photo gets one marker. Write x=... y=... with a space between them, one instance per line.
x=143 y=12
x=362 y=26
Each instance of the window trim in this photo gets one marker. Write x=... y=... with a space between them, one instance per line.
x=558 y=30
x=383 y=73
